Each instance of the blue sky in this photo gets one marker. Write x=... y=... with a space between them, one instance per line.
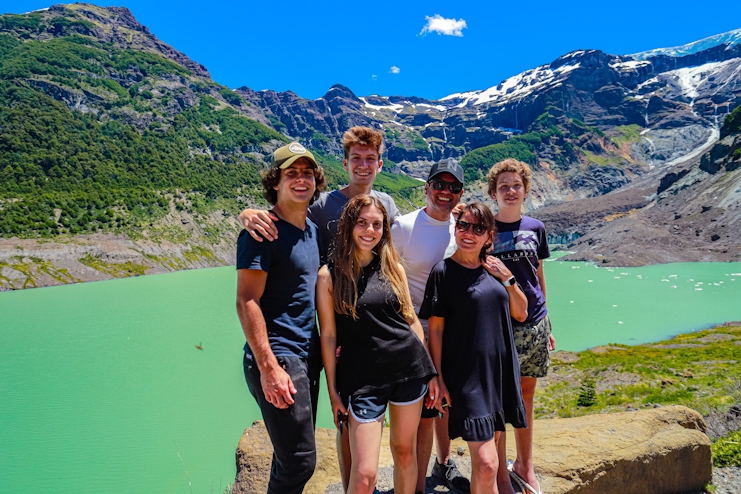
x=428 y=49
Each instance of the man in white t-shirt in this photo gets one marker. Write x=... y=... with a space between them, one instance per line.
x=424 y=238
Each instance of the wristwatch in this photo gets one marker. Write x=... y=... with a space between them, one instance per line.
x=509 y=282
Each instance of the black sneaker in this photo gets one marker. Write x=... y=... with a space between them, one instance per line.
x=451 y=477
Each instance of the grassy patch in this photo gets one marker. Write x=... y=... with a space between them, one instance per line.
x=697 y=370
x=627 y=134
x=33 y=267
x=196 y=254
x=116 y=270
x=727 y=450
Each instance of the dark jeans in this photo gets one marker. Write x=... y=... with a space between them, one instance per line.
x=291 y=430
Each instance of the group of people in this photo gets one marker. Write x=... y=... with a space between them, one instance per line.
x=438 y=315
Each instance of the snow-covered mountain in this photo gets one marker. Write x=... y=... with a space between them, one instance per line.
x=729 y=39
x=645 y=112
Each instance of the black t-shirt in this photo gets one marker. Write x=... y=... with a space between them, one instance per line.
x=288 y=302
x=379 y=348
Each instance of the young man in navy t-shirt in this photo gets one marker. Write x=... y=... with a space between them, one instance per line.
x=521 y=244
x=275 y=303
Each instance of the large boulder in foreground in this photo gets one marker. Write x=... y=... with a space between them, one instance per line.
x=662 y=451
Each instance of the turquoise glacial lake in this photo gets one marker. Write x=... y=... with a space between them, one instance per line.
x=102 y=388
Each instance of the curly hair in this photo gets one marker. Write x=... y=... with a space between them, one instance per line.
x=271 y=178
x=362 y=136
x=483 y=216
x=509 y=165
x=346 y=267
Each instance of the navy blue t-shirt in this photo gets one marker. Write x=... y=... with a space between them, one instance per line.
x=288 y=305
x=521 y=246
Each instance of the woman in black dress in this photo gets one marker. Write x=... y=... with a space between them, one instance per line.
x=468 y=301
x=365 y=308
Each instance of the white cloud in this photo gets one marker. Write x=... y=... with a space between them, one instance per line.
x=440 y=25
x=394 y=70
x=374 y=77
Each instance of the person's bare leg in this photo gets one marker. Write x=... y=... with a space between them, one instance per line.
x=524 y=437
x=403 y=441
x=424 y=450
x=503 y=481
x=445 y=468
x=484 y=466
x=441 y=439
x=344 y=459
x=365 y=444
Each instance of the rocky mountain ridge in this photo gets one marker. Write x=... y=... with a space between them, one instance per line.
x=676 y=104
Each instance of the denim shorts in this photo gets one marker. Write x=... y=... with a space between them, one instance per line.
x=369 y=407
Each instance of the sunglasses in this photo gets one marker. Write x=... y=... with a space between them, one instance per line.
x=454 y=187
x=463 y=226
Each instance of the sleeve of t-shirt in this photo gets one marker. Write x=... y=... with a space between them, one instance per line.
x=397 y=236
x=252 y=254
x=434 y=303
x=393 y=210
x=544 y=252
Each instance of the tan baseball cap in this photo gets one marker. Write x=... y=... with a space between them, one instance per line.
x=285 y=156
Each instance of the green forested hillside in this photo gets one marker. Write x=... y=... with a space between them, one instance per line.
x=96 y=136
x=562 y=140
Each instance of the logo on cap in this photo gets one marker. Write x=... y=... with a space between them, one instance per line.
x=297 y=148
x=448 y=165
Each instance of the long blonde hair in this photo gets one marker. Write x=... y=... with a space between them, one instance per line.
x=347 y=268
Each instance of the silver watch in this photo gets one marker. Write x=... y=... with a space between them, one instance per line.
x=509 y=282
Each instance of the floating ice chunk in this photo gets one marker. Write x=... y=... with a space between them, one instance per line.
x=589 y=281
x=672 y=276
x=639 y=277
x=574 y=267
x=614 y=305
x=572 y=301
x=690 y=279
x=674 y=286
x=698 y=289
x=625 y=274
x=617 y=277
x=620 y=322
x=665 y=280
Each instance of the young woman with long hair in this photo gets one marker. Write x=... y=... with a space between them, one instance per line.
x=365 y=307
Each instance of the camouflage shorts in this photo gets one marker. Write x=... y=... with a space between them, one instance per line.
x=531 y=342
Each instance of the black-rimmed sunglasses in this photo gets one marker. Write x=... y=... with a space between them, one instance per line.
x=454 y=187
x=463 y=226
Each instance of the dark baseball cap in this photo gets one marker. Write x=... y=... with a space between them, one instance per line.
x=285 y=156
x=446 y=166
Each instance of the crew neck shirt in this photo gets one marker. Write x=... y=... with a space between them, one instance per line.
x=422 y=242
x=521 y=246
x=288 y=303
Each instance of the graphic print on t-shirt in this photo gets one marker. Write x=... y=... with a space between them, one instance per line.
x=516 y=245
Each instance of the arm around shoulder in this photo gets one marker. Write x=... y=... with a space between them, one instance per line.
x=259 y=224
